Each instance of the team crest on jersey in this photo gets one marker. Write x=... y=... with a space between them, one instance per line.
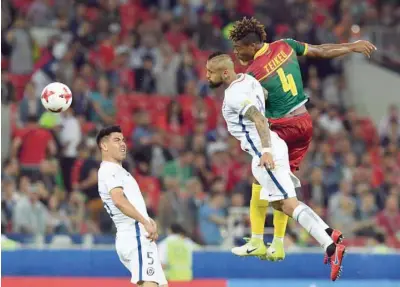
x=150 y=271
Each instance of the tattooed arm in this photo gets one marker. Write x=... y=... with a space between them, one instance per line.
x=261 y=123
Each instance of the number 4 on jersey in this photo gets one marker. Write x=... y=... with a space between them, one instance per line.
x=287 y=81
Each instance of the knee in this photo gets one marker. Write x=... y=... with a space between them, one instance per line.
x=289 y=205
x=255 y=181
x=277 y=205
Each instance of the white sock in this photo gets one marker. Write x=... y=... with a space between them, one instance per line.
x=259 y=236
x=276 y=238
x=309 y=220
x=316 y=216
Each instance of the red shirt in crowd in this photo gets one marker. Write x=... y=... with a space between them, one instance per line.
x=34 y=145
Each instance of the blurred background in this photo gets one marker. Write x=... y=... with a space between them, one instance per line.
x=140 y=64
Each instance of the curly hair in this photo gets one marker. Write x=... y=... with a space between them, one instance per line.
x=248 y=31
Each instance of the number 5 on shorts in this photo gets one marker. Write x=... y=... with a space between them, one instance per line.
x=150 y=257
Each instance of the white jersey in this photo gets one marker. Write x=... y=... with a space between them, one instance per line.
x=110 y=176
x=243 y=93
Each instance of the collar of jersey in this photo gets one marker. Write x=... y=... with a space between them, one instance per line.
x=241 y=76
x=262 y=51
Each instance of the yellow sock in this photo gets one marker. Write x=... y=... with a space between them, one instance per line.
x=280 y=223
x=258 y=210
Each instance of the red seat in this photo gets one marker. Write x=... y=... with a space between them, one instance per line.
x=140 y=101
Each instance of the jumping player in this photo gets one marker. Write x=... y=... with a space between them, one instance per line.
x=276 y=67
x=243 y=110
x=136 y=231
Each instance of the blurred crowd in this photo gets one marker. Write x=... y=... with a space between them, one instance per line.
x=140 y=64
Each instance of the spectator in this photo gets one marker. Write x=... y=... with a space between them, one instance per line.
x=208 y=36
x=145 y=80
x=186 y=72
x=142 y=134
x=147 y=51
x=211 y=218
x=365 y=214
x=10 y=197
x=175 y=36
x=389 y=218
x=393 y=135
x=58 y=221
x=84 y=179
x=21 y=60
x=175 y=120
x=392 y=116
x=30 y=215
x=31 y=145
x=195 y=197
x=181 y=168
x=166 y=73
x=70 y=138
x=331 y=121
x=315 y=191
x=7 y=89
x=202 y=170
x=176 y=252
x=102 y=102
x=173 y=206
x=81 y=103
x=30 y=105
x=341 y=209
x=75 y=209
x=350 y=163
x=40 y=13
x=357 y=141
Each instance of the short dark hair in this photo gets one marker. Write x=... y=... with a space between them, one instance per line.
x=105 y=132
x=248 y=31
x=176 y=228
x=215 y=54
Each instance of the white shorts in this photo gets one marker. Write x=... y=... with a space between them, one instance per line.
x=140 y=256
x=279 y=183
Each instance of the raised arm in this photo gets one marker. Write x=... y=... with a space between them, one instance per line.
x=336 y=50
x=263 y=130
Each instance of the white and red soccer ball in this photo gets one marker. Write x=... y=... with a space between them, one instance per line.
x=56 y=97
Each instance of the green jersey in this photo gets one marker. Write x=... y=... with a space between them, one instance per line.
x=277 y=68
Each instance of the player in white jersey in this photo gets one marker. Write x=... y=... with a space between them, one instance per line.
x=123 y=200
x=243 y=109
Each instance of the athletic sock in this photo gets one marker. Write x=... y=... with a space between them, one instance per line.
x=311 y=222
x=258 y=211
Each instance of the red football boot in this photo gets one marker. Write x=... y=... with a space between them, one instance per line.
x=336 y=261
x=337 y=238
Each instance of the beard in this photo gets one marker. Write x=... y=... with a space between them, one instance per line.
x=214 y=85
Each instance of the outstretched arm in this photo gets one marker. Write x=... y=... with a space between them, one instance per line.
x=337 y=50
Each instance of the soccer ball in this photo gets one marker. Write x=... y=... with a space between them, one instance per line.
x=56 y=97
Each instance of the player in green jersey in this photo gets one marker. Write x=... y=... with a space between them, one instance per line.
x=276 y=66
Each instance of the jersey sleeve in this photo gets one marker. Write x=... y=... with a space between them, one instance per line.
x=240 y=102
x=299 y=47
x=114 y=179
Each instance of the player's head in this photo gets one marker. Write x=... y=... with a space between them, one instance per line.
x=219 y=66
x=112 y=144
x=246 y=36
